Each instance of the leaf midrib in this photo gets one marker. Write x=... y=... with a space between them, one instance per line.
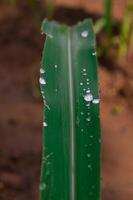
x=72 y=126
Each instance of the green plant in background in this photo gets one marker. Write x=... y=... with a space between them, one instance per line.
x=32 y=4
x=108 y=18
x=105 y=25
x=126 y=34
x=71 y=130
x=50 y=8
x=105 y=22
x=123 y=39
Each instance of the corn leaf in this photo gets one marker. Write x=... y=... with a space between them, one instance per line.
x=71 y=130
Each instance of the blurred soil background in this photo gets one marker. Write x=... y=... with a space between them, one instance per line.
x=21 y=47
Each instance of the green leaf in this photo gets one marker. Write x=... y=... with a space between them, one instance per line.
x=71 y=130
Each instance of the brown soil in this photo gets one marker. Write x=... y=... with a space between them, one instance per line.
x=96 y=6
x=21 y=111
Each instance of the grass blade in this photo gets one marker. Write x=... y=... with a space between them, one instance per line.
x=71 y=132
x=126 y=31
x=50 y=8
x=108 y=17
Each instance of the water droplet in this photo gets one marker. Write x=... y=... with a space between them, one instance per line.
x=87 y=83
x=56 y=90
x=96 y=101
x=88 y=97
x=84 y=34
x=42 y=92
x=45 y=124
x=42 y=71
x=84 y=70
x=56 y=66
x=43 y=186
x=88 y=119
x=82 y=130
x=88 y=105
x=81 y=83
x=81 y=113
x=88 y=155
x=89 y=166
x=94 y=53
x=84 y=74
x=42 y=81
x=91 y=136
x=88 y=91
x=87 y=79
x=42 y=33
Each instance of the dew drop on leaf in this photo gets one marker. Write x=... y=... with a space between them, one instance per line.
x=84 y=70
x=42 y=186
x=42 y=81
x=94 y=53
x=89 y=166
x=45 y=124
x=88 y=119
x=84 y=34
x=88 y=97
x=88 y=91
x=42 y=71
x=88 y=155
x=88 y=105
x=95 y=101
x=84 y=74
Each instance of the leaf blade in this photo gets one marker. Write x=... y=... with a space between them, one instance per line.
x=69 y=50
